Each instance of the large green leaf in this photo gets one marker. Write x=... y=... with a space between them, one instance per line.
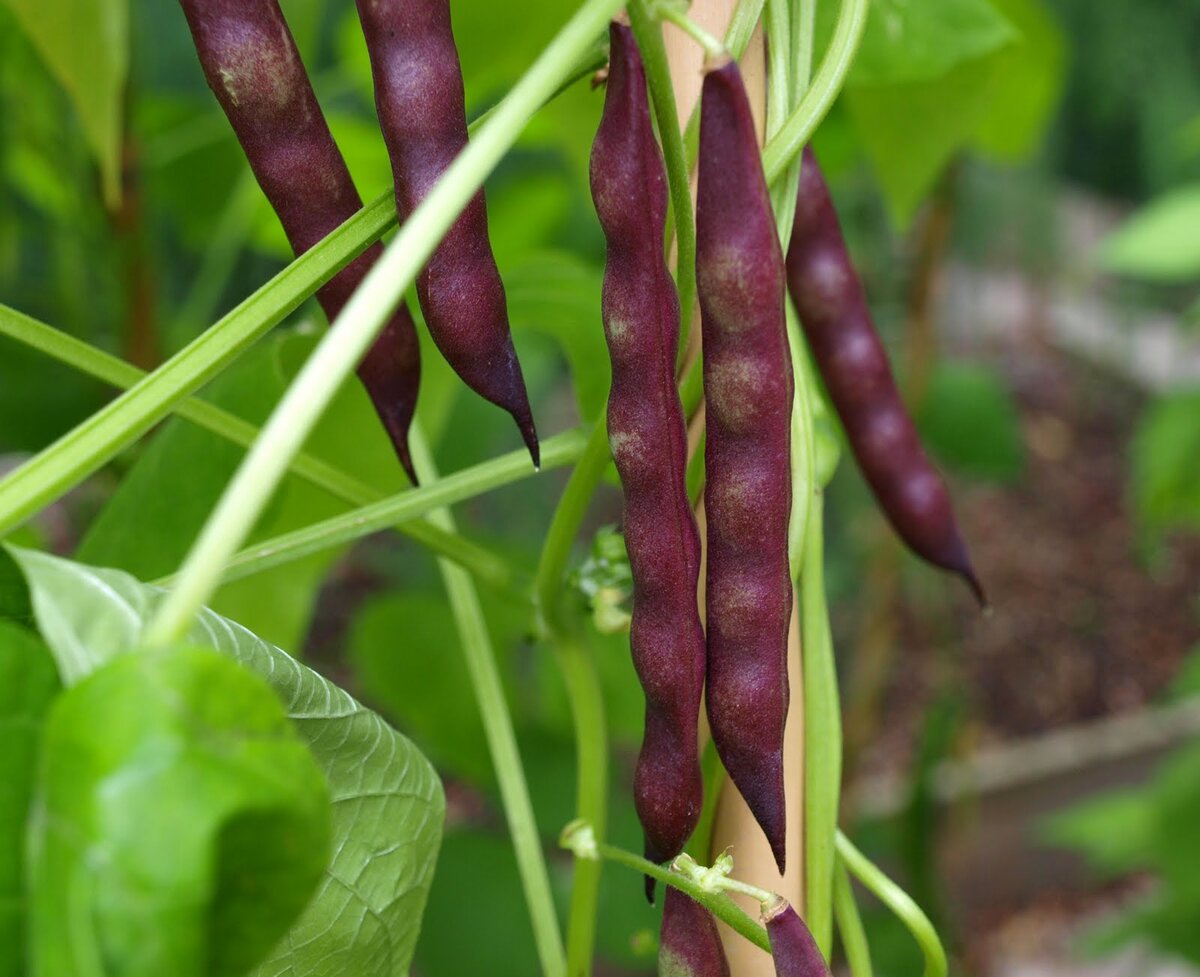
x=910 y=131
x=388 y=805
x=28 y=683
x=85 y=43
x=1027 y=84
x=180 y=823
x=1161 y=242
x=921 y=96
x=906 y=42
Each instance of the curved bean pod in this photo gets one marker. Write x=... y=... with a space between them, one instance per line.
x=793 y=948
x=853 y=363
x=747 y=495
x=690 y=945
x=420 y=101
x=649 y=445
x=251 y=63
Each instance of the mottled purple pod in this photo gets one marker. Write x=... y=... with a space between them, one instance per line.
x=853 y=363
x=252 y=66
x=420 y=101
x=690 y=945
x=747 y=494
x=793 y=948
x=649 y=445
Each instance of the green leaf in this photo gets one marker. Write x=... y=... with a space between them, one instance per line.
x=1161 y=242
x=85 y=44
x=28 y=684
x=558 y=295
x=970 y=422
x=476 y=870
x=910 y=131
x=995 y=87
x=180 y=823
x=388 y=803
x=906 y=42
x=1027 y=84
x=434 y=704
x=1114 y=831
x=1165 y=456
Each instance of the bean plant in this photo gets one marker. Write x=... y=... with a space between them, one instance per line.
x=185 y=797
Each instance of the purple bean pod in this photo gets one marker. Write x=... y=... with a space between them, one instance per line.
x=690 y=945
x=421 y=105
x=793 y=948
x=253 y=67
x=853 y=363
x=649 y=445
x=747 y=495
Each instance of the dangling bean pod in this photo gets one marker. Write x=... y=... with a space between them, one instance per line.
x=853 y=363
x=649 y=444
x=747 y=495
x=420 y=101
x=251 y=63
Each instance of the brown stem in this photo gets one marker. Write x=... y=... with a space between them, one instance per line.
x=139 y=340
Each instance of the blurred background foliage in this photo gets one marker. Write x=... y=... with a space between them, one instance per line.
x=129 y=218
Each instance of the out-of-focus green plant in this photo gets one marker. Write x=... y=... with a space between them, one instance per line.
x=1148 y=829
x=1159 y=244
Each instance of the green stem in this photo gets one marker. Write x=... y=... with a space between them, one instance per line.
x=850 y=925
x=487 y=566
x=804 y=23
x=717 y=903
x=548 y=591
x=779 y=71
x=746 y=16
x=712 y=47
x=899 y=902
x=805 y=117
x=803 y=457
x=498 y=728
x=648 y=33
x=364 y=315
x=799 y=42
x=591 y=745
x=582 y=684
x=400 y=509
x=822 y=736
x=783 y=93
x=64 y=464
